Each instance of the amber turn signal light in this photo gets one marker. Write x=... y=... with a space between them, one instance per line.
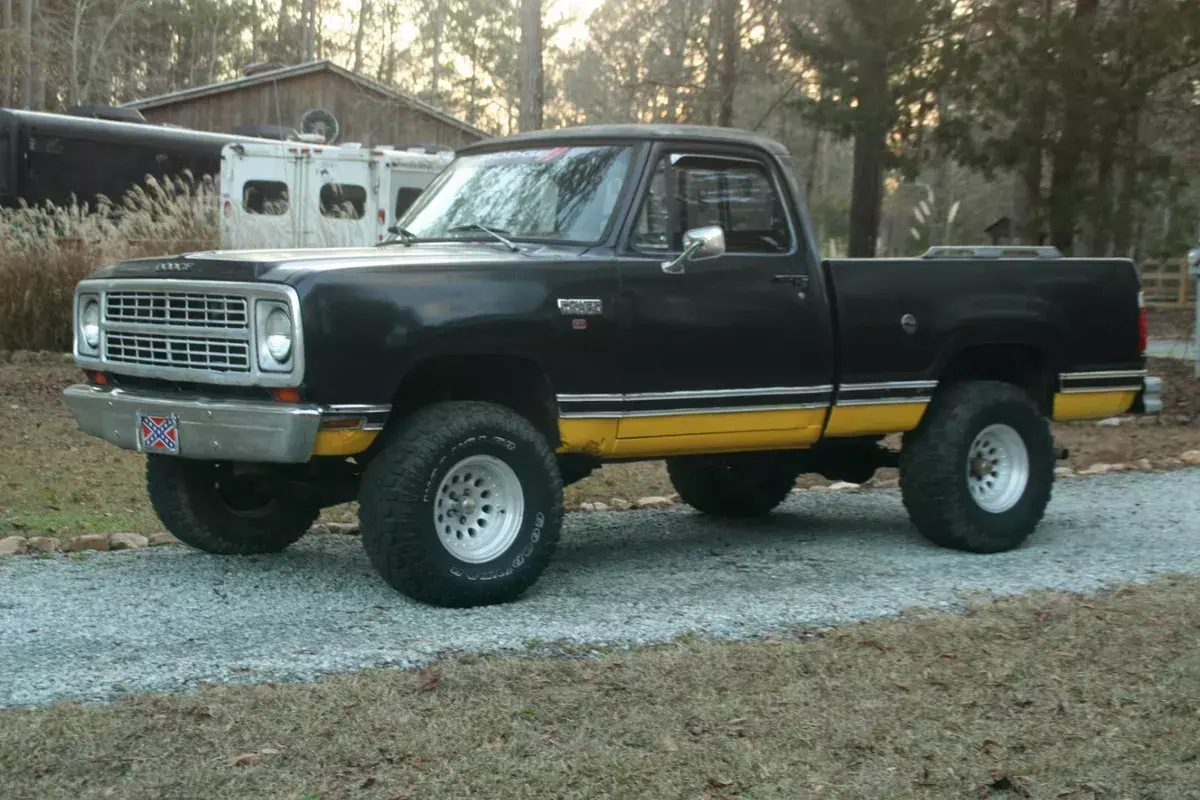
x=286 y=395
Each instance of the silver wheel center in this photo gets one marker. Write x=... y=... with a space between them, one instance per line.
x=479 y=509
x=997 y=468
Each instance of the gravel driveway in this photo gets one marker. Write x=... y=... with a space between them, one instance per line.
x=166 y=619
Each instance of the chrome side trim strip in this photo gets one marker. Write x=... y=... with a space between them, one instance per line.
x=885 y=401
x=671 y=412
x=1128 y=387
x=700 y=394
x=1126 y=373
x=887 y=385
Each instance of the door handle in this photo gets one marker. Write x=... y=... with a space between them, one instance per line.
x=795 y=280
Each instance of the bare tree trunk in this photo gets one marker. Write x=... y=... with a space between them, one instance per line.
x=255 y=32
x=711 y=64
x=364 y=13
x=308 y=15
x=731 y=18
x=870 y=149
x=8 y=67
x=1065 y=190
x=27 y=51
x=439 y=25
x=473 y=86
x=531 y=65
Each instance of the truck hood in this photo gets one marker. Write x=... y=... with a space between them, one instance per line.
x=279 y=266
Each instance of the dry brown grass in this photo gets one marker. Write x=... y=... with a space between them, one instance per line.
x=45 y=251
x=1043 y=696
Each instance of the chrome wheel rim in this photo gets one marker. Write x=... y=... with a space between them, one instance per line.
x=997 y=468
x=479 y=509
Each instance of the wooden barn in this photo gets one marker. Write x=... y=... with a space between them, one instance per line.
x=316 y=97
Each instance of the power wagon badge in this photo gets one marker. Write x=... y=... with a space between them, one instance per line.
x=158 y=434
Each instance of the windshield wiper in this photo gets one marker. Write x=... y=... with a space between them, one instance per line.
x=493 y=232
x=407 y=237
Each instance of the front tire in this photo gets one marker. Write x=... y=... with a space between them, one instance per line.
x=737 y=485
x=978 y=472
x=463 y=505
x=213 y=508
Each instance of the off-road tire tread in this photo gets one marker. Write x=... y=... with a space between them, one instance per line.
x=932 y=484
x=177 y=492
x=391 y=512
x=701 y=484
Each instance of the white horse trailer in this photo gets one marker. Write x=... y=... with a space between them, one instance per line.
x=297 y=194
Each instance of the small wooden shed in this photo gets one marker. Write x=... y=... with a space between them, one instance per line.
x=317 y=96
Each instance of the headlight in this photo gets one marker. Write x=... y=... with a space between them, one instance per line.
x=278 y=335
x=89 y=324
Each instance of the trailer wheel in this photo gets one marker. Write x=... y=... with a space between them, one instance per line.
x=462 y=505
x=978 y=472
x=738 y=485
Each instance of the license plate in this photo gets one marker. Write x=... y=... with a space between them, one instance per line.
x=158 y=433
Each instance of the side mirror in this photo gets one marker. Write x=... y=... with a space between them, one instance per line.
x=699 y=244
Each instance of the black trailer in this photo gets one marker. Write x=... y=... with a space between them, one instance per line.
x=59 y=157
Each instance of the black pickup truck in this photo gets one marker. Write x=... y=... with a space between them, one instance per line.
x=561 y=299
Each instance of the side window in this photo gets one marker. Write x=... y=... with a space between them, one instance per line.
x=265 y=197
x=343 y=201
x=691 y=191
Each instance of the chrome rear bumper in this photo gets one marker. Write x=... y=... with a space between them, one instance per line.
x=209 y=429
x=1149 y=399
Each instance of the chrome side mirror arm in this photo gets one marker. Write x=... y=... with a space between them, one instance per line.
x=675 y=266
x=699 y=244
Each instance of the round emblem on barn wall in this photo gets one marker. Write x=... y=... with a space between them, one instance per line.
x=318 y=120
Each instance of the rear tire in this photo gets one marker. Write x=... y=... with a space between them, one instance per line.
x=207 y=505
x=462 y=506
x=978 y=472
x=737 y=485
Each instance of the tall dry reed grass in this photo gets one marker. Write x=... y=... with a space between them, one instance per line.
x=45 y=251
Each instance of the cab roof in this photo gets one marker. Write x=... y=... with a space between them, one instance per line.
x=630 y=133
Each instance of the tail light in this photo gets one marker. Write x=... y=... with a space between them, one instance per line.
x=382 y=216
x=1143 y=324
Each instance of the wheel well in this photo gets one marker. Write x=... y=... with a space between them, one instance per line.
x=512 y=381
x=1022 y=365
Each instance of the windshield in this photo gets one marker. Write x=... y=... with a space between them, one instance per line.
x=561 y=194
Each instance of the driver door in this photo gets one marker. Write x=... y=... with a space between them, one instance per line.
x=734 y=353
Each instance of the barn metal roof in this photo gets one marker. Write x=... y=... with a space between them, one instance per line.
x=295 y=71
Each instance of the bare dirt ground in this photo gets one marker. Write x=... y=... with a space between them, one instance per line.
x=56 y=481
x=1171 y=323
x=1040 y=696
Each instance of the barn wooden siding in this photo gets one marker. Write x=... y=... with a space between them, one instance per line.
x=364 y=115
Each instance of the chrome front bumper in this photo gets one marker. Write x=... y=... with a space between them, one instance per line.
x=214 y=430
x=1149 y=399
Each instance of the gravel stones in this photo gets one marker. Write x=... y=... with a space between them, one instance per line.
x=824 y=558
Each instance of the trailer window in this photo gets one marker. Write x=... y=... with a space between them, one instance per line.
x=343 y=201
x=265 y=197
x=405 y=198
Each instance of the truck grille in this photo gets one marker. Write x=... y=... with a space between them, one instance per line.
x=186 y=309
x=178 y=352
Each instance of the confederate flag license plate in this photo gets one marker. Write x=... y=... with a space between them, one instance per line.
x=158 y=433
